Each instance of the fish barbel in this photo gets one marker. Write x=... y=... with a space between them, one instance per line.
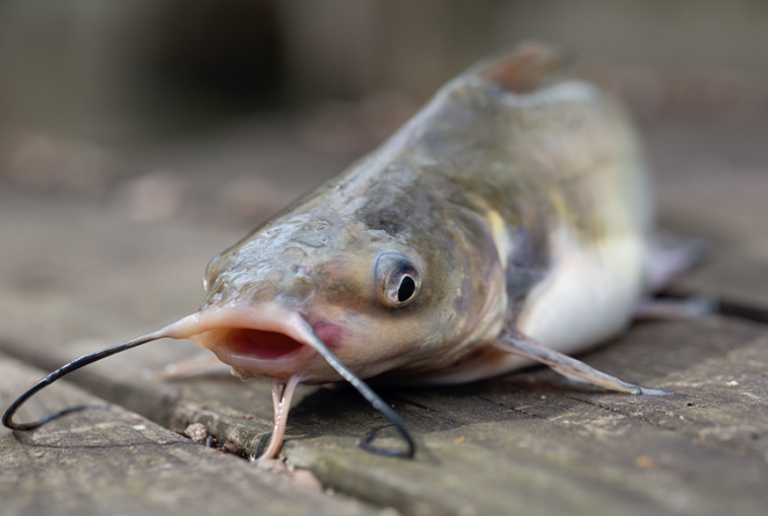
x=509 y=220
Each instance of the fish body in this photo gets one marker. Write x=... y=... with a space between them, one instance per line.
x=519 y=202
x=508 y=221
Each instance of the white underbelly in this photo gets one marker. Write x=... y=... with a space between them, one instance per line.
x=589 y=295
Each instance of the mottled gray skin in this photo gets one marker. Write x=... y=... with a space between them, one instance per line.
x=471 y=190
x=508 y=219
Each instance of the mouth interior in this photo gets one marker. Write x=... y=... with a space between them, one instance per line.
x=260 y=344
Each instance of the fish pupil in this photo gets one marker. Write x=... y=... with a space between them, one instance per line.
x=406 y=289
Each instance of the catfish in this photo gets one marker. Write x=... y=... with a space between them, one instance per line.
x=509 y=221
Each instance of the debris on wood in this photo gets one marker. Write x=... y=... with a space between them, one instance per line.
x=197 y=432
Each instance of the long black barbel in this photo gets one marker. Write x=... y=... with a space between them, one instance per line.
x=316 y=344
x=373 y=398
x=65 y=370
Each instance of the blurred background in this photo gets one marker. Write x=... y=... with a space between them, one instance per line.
x=139 y=138
x=223 y=110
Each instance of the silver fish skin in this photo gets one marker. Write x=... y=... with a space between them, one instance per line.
x=515 y=200
x=508 y=221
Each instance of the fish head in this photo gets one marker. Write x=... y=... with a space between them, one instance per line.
x=391 y=266
x=379 y=301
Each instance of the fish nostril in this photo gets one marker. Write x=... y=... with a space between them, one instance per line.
x=216 y=291
x=301 y=288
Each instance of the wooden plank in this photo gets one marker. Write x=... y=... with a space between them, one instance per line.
x=536 y=443
x=528 y=442
x=504 y=443
x=116 y=462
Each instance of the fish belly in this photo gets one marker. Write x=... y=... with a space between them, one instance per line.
x=589 y=296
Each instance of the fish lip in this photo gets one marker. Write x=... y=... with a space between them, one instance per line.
x=217 y=329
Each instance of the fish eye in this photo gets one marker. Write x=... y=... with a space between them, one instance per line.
x=398 y=281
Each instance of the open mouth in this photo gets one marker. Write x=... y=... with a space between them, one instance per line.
x=264 y=345
x=280 y=344
x=256 y=352
x=268 y=341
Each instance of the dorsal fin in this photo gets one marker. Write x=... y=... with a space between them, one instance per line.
x=524 y=67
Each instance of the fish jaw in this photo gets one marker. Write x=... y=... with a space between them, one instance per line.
x=259 y=341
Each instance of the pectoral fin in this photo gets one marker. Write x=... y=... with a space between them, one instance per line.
x=671 y=256
x=516 y=343
x=694 y=307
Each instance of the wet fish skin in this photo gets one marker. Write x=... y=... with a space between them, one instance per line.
x=509 y=220
x=477 y=191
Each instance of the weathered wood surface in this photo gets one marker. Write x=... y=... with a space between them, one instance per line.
x=77 y=278
x=113 y=461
